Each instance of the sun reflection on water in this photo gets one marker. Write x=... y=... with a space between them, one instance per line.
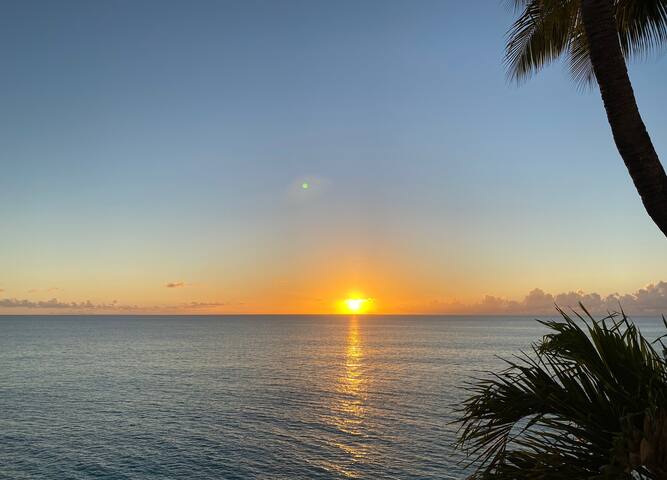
x=352 y=381
x=350 y=410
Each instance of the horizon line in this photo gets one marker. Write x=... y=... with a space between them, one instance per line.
x=522 y=315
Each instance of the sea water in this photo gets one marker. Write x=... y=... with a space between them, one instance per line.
x=243 y=397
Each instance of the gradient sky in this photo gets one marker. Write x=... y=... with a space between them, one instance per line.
x=149 y=143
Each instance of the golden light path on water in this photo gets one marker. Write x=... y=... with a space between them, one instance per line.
x=350 y=410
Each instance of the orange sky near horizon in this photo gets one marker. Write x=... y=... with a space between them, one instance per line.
x=309 y=292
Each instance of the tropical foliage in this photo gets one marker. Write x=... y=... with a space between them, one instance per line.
x=598 y=37
x=548 y=29
x=590 y=402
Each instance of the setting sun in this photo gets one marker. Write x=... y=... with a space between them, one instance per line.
x=356 y=305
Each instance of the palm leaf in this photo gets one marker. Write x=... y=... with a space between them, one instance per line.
x=545 y=30
x=571 y=407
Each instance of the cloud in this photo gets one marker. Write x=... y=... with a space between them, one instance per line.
x=176 y=284
x=203 y=305
x=55 y=304
x=650 y=300
x=35 y=290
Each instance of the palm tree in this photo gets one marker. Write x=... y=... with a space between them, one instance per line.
x=597 y=36
x=590 y=402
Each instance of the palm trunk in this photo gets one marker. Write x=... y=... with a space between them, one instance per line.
x=627 y=126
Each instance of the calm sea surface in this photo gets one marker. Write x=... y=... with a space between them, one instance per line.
x=242 y=397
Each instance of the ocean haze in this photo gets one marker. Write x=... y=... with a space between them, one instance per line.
x=238 y=397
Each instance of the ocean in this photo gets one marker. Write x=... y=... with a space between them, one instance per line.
x=243 y=397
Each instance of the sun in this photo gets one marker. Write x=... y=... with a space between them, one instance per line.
x=356 y=305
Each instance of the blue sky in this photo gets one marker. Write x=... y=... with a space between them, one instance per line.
x=152 y=142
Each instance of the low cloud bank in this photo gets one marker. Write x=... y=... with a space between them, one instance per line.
x=57 y=305
x=53 y=305
x=650 y=300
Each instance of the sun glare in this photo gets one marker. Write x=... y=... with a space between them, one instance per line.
x=356 y=305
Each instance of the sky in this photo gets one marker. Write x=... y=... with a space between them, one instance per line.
x=152 y=156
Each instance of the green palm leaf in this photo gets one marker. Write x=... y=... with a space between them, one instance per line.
x=577 y=407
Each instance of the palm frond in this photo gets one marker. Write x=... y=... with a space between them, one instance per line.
x=642 y=26
x=569 y=408
x=547 y=29
x=538 y=37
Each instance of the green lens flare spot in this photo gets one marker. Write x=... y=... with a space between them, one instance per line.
x=305 y=185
